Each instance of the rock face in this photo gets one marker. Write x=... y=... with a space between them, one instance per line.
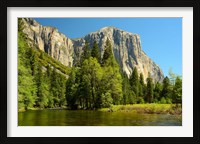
x=49 y=40
x=126 y=47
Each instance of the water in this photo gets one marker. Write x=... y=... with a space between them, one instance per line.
x=94 y=118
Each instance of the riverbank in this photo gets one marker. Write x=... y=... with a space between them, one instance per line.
x=147 y=108
x=56 y=108
x=171 y=109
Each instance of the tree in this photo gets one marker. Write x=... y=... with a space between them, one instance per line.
x=86 y=52
x=92 y=73
x=177 y=91
x=71 y=90
x=42 y=89
x=26 y=85
x=134 y=82
x=112 y=80
x=125 y=89
x=157 y=92
x=129 y=96
x=55 y=87
x=149 y=95
x=141 y=89
x=107 y=51
x=95 y=53
x=106 y=100
x=172 y=76
x=167 y=90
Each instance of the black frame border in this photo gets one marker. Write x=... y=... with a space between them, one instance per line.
x=97 y=3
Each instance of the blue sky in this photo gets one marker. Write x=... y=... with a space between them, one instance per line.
x=161 y=38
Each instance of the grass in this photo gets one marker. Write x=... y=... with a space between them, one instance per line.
x=147 y=108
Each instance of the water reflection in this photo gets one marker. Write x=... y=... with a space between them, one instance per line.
x=94 y=118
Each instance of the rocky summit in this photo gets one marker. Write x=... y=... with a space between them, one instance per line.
x=126 y=47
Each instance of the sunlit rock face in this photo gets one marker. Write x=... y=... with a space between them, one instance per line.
x=48 y=39
x=126 y=47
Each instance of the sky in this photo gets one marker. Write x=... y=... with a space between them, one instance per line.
x=161 y=38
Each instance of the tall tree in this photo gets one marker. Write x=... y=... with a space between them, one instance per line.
x=177 y=91
x=71 y=90
x=86 y=52
x=95 y=53
x=107 y=51
x=55 y=87
x=134 y=82
x=172 y=76
x=112 y=80
x=167 y=90
x=157 y=92
x=92 y=73
x=149 y=93
x=125 y=89
x=141 y=89
x=26 y=85
x=42 y=89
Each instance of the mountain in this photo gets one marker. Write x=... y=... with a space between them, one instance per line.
x=126 y=47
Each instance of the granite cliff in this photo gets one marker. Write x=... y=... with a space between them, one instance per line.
x=126 y=47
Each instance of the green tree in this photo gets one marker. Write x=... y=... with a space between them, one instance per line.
x=26 y=85
x=141 y=89
x=134 y=82
x=92 y=73
x=86 y=52
x=167 y=89
x=107 y=51
x=177 y=91
x=106 y=100
x=112 y=80
x=54 y=87
x=42 y=89
x=149 y=94
x=157 y=92
x=95 y=53
x=71 y=90
x=125 y=89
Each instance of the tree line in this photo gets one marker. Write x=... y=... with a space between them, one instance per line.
x=98 y=82
x=94 y=82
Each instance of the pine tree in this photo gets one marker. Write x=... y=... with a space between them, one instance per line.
x=167 y=89
x=71 y=90
x=125 y=89
x=141 y=89
x=149 y=95
x=92 y=73
x=86 y=52
x=157 y=92
x=112 y=79
x=134 y=82
x=26 y=85
x=177 y=91
x=95 y=53
x=43 y=89
x=107 y=51
x=55 y=87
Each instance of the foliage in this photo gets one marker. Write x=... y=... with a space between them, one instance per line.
x=134 y=82
x=95 y=53
x=107 y=51
x=149 y=95
x=177 y=91
x=94 y=83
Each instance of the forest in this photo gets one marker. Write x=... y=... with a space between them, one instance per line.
x=94 y=82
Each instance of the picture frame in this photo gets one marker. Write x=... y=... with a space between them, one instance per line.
x=84 y=3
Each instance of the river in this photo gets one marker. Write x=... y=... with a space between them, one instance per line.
x=94 y=118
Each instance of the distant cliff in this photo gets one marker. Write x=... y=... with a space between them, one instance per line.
x=126 y=47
